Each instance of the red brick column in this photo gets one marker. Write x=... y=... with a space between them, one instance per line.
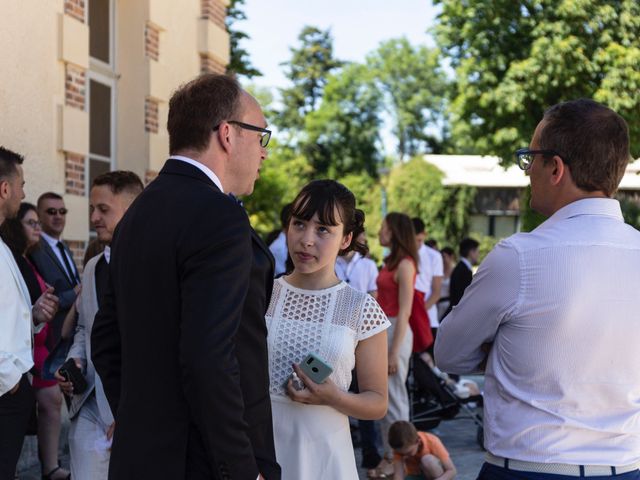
x=211 y=65
x=214 y=10
x=152 y=41
x=75 y=9
x=151 y=115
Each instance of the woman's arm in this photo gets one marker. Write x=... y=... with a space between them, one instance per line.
x=406 y=281
x=371 y=368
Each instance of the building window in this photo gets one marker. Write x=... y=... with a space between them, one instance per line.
x=100 y=30
x=100 y=128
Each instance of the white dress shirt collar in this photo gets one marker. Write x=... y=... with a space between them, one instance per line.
x=587 y=206
x=467 y=263
x=53 y=242
x=107 y=253
x=206 y=170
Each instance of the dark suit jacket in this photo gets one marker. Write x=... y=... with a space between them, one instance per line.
x=180 y=339
x=54 y=273
x=460 y=280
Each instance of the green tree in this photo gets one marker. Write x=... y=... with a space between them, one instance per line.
x=308 y=71
x=415 y=188
x=368 y=193
x=282 y=175
x=414 y=87
x=342 y=133
x=515 y=59
x=239 y=61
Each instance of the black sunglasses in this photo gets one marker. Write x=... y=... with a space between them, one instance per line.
x=52 y=211
x=525 y=157
x=264 y=138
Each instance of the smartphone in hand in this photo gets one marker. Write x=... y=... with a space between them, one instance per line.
x=315 y=368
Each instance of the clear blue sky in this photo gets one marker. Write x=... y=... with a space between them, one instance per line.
x=358 y=26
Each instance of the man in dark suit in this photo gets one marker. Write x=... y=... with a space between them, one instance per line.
x=180 y=339
x=462 y=274
x=54 y=260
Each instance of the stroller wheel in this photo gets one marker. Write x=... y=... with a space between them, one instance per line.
x=480 y=437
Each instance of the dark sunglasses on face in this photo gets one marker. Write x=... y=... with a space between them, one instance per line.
x=60 y=211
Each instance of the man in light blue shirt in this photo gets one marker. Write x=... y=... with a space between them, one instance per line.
x=557 y=310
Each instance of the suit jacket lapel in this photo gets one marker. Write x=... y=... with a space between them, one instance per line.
x=47 y=249
x=256 y=238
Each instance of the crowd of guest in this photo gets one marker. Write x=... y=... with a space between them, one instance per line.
x=185 y=347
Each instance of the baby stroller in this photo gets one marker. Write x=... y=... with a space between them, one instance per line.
x=433 y=398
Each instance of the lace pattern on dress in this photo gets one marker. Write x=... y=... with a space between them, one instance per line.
x=327 y=322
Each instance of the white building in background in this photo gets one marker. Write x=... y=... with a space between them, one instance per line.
x=497 y=203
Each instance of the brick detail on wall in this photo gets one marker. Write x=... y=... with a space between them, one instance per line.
x=75 y=86
x=77 y=248
x=152 y=41
x=74 y=174
x=211 y=65
x=75 y=9
x=149 y=176
x=151 y=115
x=215 y=11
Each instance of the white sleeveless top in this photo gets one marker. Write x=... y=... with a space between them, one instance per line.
x=328 y=322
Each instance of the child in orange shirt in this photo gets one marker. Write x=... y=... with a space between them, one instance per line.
x=418 y=455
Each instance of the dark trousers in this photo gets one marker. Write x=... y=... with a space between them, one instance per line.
x=15 y=411
x=493 y=472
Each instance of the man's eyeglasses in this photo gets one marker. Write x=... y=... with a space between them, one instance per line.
x=60 y=211
x=264 y=138
x=525 y=157
x=33 y=223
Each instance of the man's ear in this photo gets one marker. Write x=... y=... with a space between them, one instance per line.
x=560 y=170
x=223 y=134
x=4 y=189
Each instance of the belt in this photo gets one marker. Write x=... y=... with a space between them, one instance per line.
x=560 y=468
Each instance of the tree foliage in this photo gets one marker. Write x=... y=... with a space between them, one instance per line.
x=239 y=61
x=342 y=134
x=513 y=60
x=415 y=188
x=308 y=71
x=414 y=87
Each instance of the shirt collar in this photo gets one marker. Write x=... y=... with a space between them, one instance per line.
x=49 y=239
x=107 y=253
x=608 y=207
x=206 y=170
x=467 y=263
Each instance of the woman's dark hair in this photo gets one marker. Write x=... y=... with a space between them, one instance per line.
x=324 y=197
x=449 y=251
x=12 y=230
x=403 y=240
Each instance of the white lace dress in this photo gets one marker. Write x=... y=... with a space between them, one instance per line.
x=314 y=441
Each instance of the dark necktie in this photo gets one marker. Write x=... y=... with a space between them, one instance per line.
x=67 y=265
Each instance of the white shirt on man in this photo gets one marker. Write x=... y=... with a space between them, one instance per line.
x=16 y=356
x=202 y=167
x=561 y=307
x=359 y=272
x=431 y=265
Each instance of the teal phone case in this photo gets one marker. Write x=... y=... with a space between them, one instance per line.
x=315 y=368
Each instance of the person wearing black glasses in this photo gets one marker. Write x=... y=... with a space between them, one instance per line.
x=553 y=313
x=189 y=287
x=54 y=260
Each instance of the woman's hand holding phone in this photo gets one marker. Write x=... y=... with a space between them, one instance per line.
x=324 y=393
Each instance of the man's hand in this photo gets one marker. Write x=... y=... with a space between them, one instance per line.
x=15 y=388
x=45 y=307
x=65 y=385
x=77 y=289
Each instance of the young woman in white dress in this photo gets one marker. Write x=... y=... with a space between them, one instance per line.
x=312 y=311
